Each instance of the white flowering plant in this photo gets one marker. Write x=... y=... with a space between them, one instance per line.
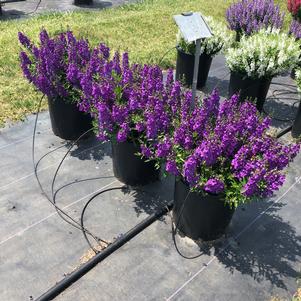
x=222 y=38
x=298 y=79
x=263 y=55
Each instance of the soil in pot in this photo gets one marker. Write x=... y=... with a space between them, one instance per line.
x=251 y=89
x=185 y=68
x=130 y=168
x=200 y=216
x=67 y=121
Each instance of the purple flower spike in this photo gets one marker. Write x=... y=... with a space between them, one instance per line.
x=249 y=16
x=295 y=29
x=24 y=40
x=55 y=65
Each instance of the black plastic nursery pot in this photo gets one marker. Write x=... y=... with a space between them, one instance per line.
x=251 y=89
x=200 y=216
x=293 y=73
x=130 y=168
x=66 y=120
x=296 y=129
x=185 y=68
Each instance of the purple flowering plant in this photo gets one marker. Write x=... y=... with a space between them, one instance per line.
x=249 y=16
x=55 y=65
x=295 y=29
x=223 y=148
x=129 y=102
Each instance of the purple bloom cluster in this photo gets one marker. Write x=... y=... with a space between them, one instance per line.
x=249 y=16
x=214 y=186
x=295 y=29
x=129 y=101
x=55 y=65
x=223 y=147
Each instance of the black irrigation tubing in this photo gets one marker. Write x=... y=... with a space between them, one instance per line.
x=280 y=92
x=175 y=227
x=284 y=131
x=74 y=223
x=275 y=95
x=29 y=13
x=86 y=206
x=60 y=212
x=125 y=188
x=82 y=228
x=36 y=8
x=99 y=257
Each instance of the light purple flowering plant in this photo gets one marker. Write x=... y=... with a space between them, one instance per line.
x=295 y=29
x=249 y=16
x=224 y=148
x=54 y=66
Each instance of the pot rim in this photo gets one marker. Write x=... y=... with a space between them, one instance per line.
x=201 y=192
x=244 y=77
x=180 y=49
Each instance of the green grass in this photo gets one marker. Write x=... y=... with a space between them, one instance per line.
x=145 y=29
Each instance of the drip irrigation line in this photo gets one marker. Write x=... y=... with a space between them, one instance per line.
x=284 y=131
x=77 y=182
x=36 y=8
x=124 y=187
x=29 y=13
x=82 y=227
x=64 y=157
x=174 y=229
x=74 y=223
x=47 y=154
x=99 y=257
x=65 y=216
x=275 y=95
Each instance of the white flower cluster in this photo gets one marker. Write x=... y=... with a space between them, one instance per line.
x=222 y=39
x=263 y=55
x=298 y=79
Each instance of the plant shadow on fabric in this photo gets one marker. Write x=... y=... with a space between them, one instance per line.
x=152 y=197
x=282 y=112
x=95 y=150
x=268 y=253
